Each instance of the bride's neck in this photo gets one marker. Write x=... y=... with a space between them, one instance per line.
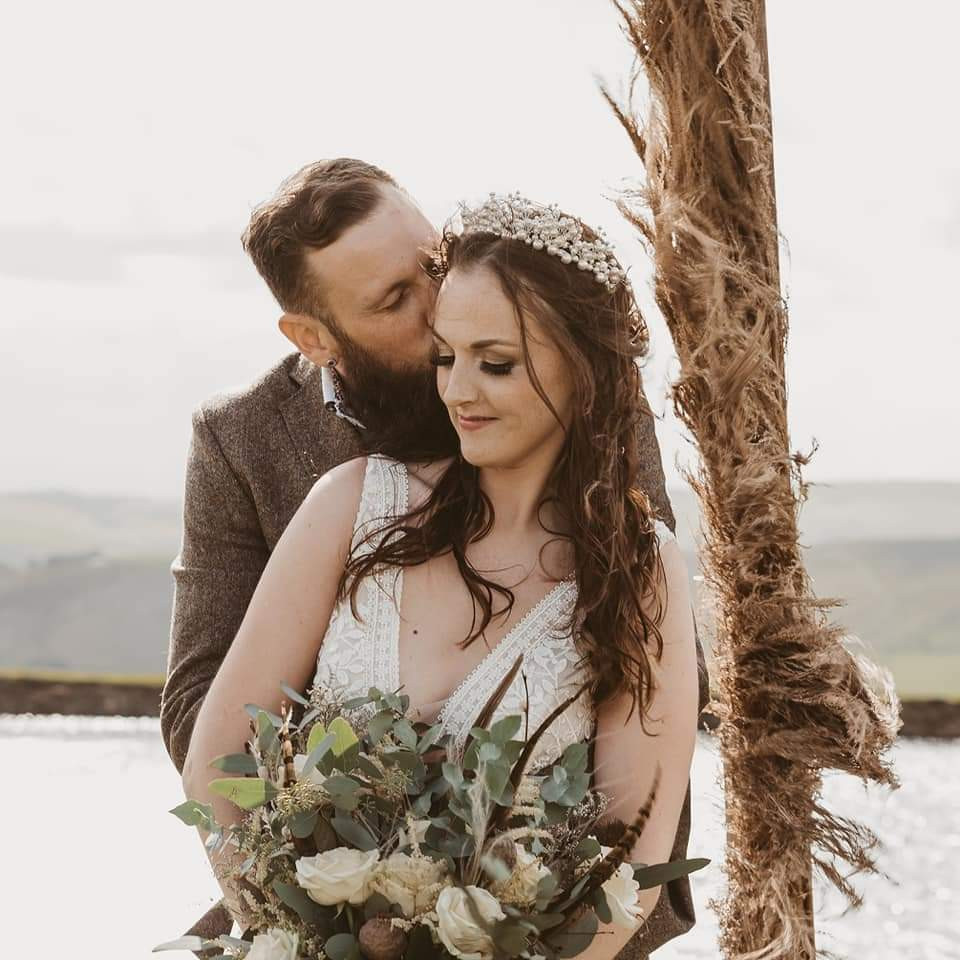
x=516 y=494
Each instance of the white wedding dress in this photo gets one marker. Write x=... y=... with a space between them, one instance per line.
x=362 y=652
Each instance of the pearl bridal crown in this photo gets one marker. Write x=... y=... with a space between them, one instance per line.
x=544 y=228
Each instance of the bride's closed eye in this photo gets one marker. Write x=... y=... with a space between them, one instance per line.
x=495 y=369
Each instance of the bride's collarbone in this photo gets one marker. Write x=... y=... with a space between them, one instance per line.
x=438 y=614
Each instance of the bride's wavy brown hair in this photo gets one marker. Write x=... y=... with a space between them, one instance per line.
x=606 y=517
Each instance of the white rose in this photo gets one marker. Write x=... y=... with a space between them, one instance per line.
x=420 y=828
x=315 y=775
x=337 y=876
x=409 y=882
x=623 y=893
x=275 y=944
x=456 y=927
x=520 y=888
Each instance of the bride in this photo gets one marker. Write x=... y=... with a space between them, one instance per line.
x=530 y=541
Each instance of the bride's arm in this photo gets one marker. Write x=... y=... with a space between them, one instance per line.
x=626 y=757
x=281 y=632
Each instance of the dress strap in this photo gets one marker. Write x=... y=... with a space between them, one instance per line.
x=385 y=496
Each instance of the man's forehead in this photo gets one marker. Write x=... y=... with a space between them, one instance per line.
x=374 y=253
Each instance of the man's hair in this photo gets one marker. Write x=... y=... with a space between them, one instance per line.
x=309 y=211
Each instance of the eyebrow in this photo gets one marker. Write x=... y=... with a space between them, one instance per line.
x=480 y=344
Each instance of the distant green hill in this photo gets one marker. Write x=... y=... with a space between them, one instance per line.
x=86 y=583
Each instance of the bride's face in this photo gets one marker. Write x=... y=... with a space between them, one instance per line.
x=484 y=380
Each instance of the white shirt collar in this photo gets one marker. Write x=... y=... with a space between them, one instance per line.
x=330 y=400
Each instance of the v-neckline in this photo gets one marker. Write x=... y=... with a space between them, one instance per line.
x=531 y=616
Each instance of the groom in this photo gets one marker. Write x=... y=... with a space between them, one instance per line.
x=341 y=246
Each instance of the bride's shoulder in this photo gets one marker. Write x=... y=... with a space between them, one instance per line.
x=335 y=496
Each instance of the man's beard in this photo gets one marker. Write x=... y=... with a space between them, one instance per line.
x=401 y=411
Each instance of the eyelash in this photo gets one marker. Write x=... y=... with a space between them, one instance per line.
x=396 y=303
x=494 y=369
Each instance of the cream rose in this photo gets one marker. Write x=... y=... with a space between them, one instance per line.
x=456 y=927
x=337 y=876
x=275 y=944
x=521 y=887
x=409 y=882
x=623 y=893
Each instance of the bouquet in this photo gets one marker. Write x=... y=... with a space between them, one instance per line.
x=362 y=836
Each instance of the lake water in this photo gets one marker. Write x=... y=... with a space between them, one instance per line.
x=96 y=868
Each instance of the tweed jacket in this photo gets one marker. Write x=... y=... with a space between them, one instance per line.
x=253 y=457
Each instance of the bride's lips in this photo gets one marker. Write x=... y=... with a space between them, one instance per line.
x=473 y=423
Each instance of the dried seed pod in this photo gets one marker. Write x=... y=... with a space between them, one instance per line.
x=381 y=940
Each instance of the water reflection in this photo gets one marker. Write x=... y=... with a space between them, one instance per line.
x=99 y=867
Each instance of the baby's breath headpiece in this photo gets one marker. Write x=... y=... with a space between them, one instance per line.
x=544 y=228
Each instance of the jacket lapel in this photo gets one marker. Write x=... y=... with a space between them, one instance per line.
x=321 y=438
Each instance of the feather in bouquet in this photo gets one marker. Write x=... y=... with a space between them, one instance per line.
x=362 y=837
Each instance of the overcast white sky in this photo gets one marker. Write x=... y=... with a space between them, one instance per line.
x=137 y=139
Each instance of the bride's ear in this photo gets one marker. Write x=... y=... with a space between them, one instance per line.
x=310 y=337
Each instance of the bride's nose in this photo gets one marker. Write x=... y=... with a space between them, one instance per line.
x=457 y=384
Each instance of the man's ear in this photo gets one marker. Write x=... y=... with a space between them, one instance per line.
x=310 y=337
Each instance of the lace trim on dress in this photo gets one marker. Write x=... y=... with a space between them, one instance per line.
x=462 y=706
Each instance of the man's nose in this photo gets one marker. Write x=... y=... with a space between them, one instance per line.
x=426 y=294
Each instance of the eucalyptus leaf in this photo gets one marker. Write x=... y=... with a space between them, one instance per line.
x=194 y=814
x=316 y=753
x=506 y=729
x=376 y=905
x=510 y=936
x=405 y=733
x=659 y=873
x=181 y=943
x=602 y=909
x=574 y=939
x=379 y=724
x=552 y=792
x=403 y=758
x=354 y=703
x=235 y=763
x=342 y=946
x=497 y=778
x=430 y=737
x=574 y=759
x=343 y=791
x=294 y=695
x=369 y=768
x=302 y=823
x=318 y=733
x=452 y=774
x=488 y=752
x=588 y=848
x=267 y=739
x=547 y=921
x=546 y=890
x=353 y=833
x=309 y=717
x=245 y=792
x=296 y=898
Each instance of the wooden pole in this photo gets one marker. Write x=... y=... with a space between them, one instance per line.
x=792 y=701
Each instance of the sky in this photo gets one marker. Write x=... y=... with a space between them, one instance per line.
x=138 y=138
